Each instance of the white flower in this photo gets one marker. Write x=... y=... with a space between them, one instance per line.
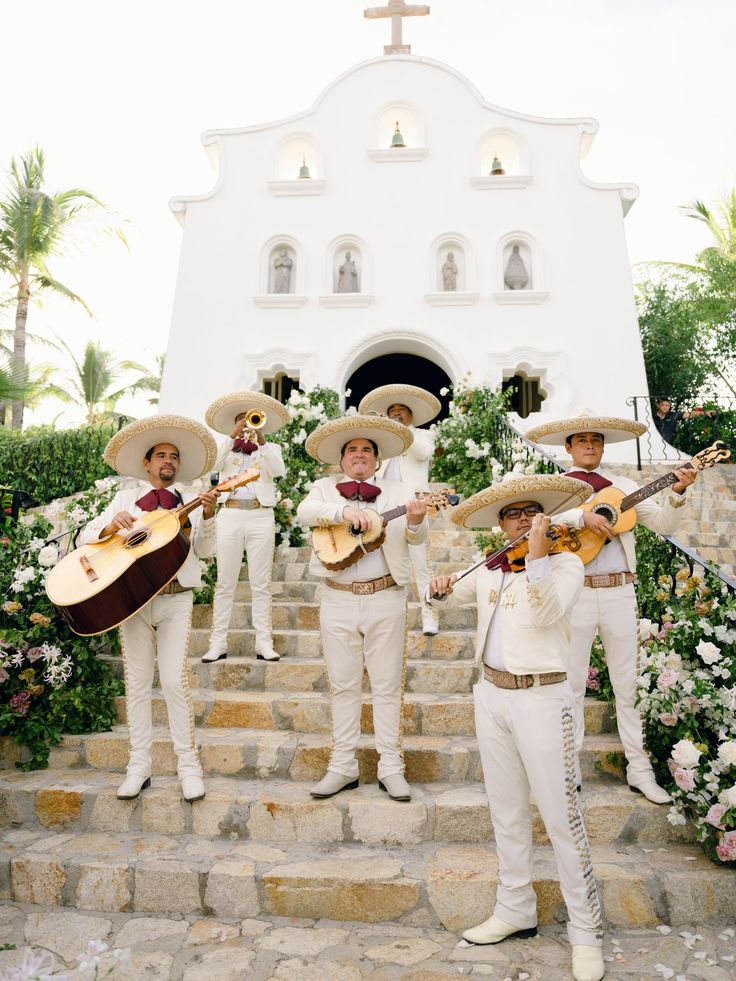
x=708 y=652
x=705 y=626
x=48 y=555
x=444 y=391
x=728 y=797
x=686 y=754
x=77 y=515
x=22 y=576
x=728 y=697
x=300 y=436
x=674 y=816
x=90 y=959
x=348 y=392
x=727 y=753
x=106 y=484
x=35 y=965
x=36 y=544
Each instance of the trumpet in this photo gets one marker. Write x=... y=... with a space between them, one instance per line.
x=255 y=419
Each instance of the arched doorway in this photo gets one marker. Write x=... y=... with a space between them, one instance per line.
x=398 y=369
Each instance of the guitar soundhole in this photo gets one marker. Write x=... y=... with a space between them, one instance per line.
x=609 y=513
x=355 y=532
x=136 y=538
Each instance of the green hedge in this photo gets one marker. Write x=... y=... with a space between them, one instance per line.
x=55 y=464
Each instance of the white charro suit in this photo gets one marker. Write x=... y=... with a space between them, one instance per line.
x=612 y=612
x=250 y=531
x=526 y=736
x=412 y=469
x=364 y=628
x=160 y=631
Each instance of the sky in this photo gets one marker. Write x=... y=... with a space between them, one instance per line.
x=118 y=94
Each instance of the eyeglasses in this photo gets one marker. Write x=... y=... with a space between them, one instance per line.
x=530 y=510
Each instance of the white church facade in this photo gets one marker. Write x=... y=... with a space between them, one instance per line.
x=326 y=255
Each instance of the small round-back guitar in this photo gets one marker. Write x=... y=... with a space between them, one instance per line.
x=340 y=546
x=99 y=585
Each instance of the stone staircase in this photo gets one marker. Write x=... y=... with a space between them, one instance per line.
x=259 y=845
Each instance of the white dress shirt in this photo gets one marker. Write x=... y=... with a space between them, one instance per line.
x=536 y=570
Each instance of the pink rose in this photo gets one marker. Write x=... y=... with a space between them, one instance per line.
x=685 y=779
x=727 y=849
x=715 y=815
x=668 y=679
x=668 y=719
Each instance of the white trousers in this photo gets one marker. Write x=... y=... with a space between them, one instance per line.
x=252 y=532
x=160 y=630
x=527 y=742
x=612 y=612
x=371 y=630
x=419 y=556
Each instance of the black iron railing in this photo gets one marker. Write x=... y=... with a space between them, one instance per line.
x=703 y=422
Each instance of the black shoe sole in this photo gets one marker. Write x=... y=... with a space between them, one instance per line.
x=260 y=657
x=518 y=935
x=403 y=799
x=220 y=657
x=348 y=786
x=191 y=800
x=144 y=786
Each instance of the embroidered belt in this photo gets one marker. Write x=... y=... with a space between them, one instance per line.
x=366 y=588
x=174 y=587
x=609 y=579
x=504 y=679
x=247 y=505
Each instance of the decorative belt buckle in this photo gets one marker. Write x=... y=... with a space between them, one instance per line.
x=600 y=580
x=363 y=588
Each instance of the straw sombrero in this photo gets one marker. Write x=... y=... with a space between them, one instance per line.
x=196 y=446
x=612 y=428
x=553 y=491
x=424 y=406
x=391 y=438
x=221 y=415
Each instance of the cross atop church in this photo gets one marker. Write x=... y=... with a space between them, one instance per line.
x=397 y=10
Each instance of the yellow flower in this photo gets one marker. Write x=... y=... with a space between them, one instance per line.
x=12 y=607
x=28 y=675
x=35 y=689
x=683 y=574
x=664 y=580
x=40 y=619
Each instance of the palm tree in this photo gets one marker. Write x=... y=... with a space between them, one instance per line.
x=33 y=227
x=92 y=382
x=36 y=377
x=721 y=223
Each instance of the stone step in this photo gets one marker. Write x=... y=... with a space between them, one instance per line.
x=448 y=885
x=423 y=714
x=286 y=614
x=268 y=754
x=446 y=645
x=280 y=812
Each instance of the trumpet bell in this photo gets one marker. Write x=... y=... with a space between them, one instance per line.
x=255 y=419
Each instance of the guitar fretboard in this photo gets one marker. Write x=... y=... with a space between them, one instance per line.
x=637 y=496
x=393 y=513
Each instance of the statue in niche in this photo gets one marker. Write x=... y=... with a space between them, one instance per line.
x=347 y=276
x=282 y=266
x=516 y=276
x=449 y=273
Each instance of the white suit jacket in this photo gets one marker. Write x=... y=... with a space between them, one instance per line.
x=267 y=459
x=323 y=506
x=661 y=518
x=202 y=536
x=414 y=464
x=535 y=620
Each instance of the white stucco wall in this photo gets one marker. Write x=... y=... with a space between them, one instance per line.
x=579 y=335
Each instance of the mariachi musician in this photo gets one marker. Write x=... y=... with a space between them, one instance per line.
x=363 y=606
x=245 y=522
x=412 y=407
x=158 y=452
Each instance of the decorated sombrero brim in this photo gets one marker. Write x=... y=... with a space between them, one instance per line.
x=612 y=428
x=197 y=448
x=221 y=415
x=391 y=438
x=553 y=491
x=424 y=406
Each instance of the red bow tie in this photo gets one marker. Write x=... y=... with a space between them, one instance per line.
x=596 y=481
x=354 y=490
x=244 y=446
x=501 y=562
x=158 y=497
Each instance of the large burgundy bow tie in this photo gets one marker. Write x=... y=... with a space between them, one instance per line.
x=244 y=446
x=596 y=481
x=501 y=562
x=158 y=497
x=354 y=490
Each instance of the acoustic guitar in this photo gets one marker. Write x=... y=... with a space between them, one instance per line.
x=619 y=508
x=340 y=546
x=98 y=586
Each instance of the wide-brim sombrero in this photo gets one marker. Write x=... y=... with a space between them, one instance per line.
x=553 y=491
x=612 y=428
x=391 y=438
x=424 y=406
x=221 y=414
x=197 y=448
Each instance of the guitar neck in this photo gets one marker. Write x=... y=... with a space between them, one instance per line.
x=637 y=496
x=393 y=513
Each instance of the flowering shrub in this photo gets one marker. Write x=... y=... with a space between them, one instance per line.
x=51 y=681
x=687 y=691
